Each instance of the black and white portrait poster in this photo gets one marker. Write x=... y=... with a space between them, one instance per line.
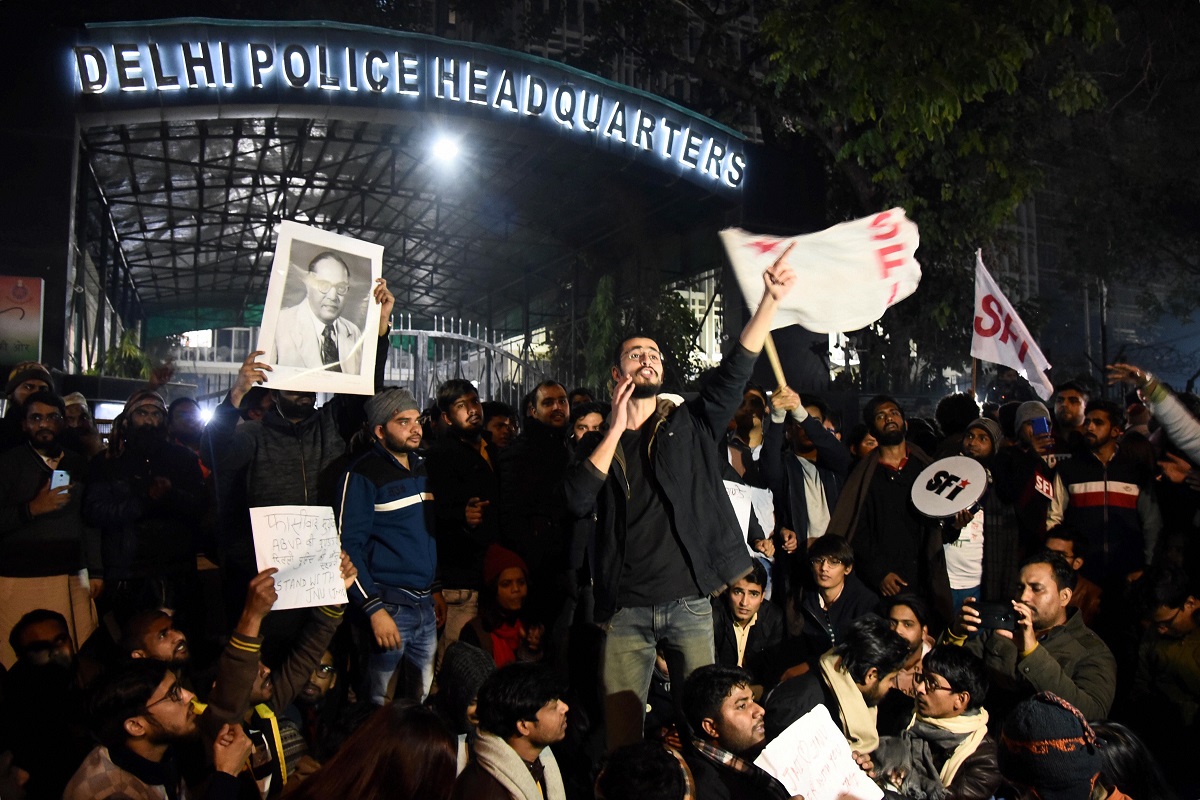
x=319 y=322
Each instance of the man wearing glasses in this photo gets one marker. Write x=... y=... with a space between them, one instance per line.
x=313 y=333
x=945 y=750
x=142 y=714
x=44 y=543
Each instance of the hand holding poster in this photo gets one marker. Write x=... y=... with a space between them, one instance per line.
x=320 y=322
x=811 y=758
x=1001 y=338
x=302 y=542
x=848 y=275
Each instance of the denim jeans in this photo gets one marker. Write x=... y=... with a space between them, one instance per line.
x=414 y=616
x=682 y=628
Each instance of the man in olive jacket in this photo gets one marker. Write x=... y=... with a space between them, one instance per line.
x=666 y=534
x=1050 y=650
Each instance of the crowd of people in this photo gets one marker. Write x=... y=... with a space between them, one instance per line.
x=562 y=600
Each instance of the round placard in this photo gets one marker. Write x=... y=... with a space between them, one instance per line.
x=950 y=485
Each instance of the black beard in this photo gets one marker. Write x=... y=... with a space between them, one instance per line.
x=642 y=391
x=890 y=438
x=290 y=410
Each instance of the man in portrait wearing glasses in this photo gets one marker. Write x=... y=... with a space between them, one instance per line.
x=147 y=497
x=314 y=334
x=666 y=536
x=44 y=542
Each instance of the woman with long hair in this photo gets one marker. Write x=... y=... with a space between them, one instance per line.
x=503 y=629
x=402 y=752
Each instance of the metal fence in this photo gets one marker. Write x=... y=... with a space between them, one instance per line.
x=421 y=360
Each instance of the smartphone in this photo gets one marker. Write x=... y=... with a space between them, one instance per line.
x=1041 y=426
x=60 y=477
x=996 y=616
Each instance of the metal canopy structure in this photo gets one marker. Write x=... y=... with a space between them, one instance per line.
x=192 y=200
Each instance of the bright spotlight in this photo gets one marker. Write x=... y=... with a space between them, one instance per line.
x=445 y=149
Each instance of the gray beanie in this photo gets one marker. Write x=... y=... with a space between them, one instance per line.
x=385 y=405
x=1031 y=409
x=992 y=428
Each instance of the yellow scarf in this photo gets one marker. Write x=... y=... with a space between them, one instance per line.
x=973 y=725
x=858 y=721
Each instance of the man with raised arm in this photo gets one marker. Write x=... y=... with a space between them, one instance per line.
x=666 y=534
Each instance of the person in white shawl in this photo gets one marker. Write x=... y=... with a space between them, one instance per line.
x=945 y=753
x=521 y=714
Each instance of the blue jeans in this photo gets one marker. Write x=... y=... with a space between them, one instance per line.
x=683 y=629
x=414 y=616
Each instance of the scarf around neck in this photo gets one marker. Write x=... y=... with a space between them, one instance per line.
x=962 y=733
x=858 y=721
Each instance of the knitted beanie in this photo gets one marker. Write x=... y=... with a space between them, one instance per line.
x=25 y=371
x=1049 y=747
x=991 y=428
x=386 y=404
x=1031 y=409
x=464 y=669
x=497 y=559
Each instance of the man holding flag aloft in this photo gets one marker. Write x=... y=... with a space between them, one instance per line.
x=666 y=536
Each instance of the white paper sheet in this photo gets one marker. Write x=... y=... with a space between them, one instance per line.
x=811 y=758
x=303 y=543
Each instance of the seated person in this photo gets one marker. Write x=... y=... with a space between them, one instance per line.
x=521 y=713
x=1051 y=650
x=324 y=711
x=1086 y=597
x=1168 y=674
x=464 y=669
x=502 y=629
x=834 y=599
x=43 y=717
x=646 y=770
x=908 y=614
x=850 y=681
x=152 y=634
x=142 y=713
x=728 y=732
x=747 y=631
x=945 y=750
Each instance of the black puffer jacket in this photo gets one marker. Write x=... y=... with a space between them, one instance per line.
x=686 y=464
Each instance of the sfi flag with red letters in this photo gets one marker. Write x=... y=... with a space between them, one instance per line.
x=1001 y=337
x=848 y=275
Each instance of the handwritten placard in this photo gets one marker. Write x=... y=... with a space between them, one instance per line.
x=811 y=758
x=302 y=542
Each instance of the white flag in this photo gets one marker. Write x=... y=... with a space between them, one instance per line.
x=848 y=274
x=1001 y=337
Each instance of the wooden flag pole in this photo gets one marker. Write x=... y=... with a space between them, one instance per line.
x=773 y=357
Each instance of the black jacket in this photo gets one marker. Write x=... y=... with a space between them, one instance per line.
x=141 y=536
x=762 y=645
x=58 y=543
x=785 y=475
x=533 y=510
x=456 y=474
x=686 y=464
x=823 y=627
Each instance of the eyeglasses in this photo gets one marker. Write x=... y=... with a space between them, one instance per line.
x=817 y=561
x=174 y=694
x=650 y=356
x=930 y=683
x=323 y=287
x=38 y=419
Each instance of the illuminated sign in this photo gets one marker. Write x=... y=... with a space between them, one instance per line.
x=189 y=64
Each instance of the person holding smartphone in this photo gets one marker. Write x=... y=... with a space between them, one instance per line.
x=1046 y=649
x=48 y=557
